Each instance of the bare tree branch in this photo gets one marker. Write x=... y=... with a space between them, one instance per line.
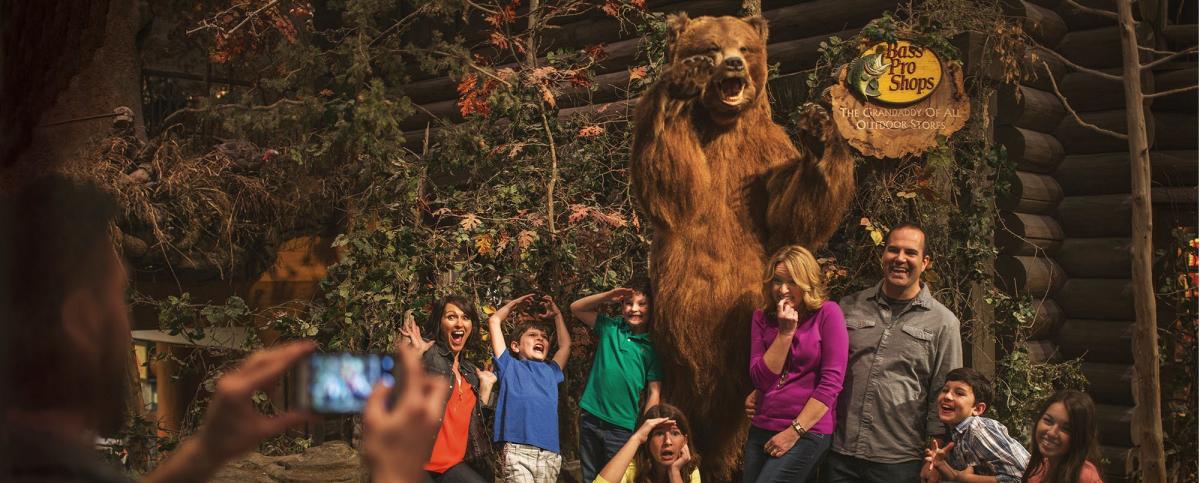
x=1066 y=104
x=1172 y=91
x=1151 y=65
x=206 y=24
x=1155 y=51
x=1080 y=68
x=1093 y=11
x=396 y=26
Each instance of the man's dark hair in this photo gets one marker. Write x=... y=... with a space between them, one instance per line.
x=980 y=385
x=59 y=241
x=910 y=226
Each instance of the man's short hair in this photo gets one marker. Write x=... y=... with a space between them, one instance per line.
x=59 y=241
x=980 y=385
x=910 y=226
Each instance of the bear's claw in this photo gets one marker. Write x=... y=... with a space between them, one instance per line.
x=688 y=77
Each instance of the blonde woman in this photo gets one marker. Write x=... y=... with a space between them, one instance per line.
x=798 y=351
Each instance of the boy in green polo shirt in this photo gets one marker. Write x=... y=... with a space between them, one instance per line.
x=624 y=367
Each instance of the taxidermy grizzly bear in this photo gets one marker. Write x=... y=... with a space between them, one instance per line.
x=724 y=187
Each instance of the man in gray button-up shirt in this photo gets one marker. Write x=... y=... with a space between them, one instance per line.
x=902 y=344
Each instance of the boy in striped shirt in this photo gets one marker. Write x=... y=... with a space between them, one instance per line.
x=980 y=449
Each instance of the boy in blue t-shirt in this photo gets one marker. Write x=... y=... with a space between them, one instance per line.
x=527 y=407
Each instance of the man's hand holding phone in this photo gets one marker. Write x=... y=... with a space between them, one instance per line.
x=233 y=425
x=397 y=442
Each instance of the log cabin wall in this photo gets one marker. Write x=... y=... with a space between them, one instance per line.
x=797 y=28
x=1070 y=214
x=1064 y=239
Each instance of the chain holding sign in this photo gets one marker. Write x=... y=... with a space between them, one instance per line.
x=896 y=99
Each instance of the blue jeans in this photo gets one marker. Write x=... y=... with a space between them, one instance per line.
x=794 y=466
x=840 y=468
x=599 y=441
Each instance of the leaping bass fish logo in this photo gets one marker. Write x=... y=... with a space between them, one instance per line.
x=865 y=72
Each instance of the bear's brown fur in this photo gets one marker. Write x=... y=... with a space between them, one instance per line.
x=724 y=188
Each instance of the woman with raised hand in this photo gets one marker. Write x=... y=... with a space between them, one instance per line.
x=463 y=449
x=798 y=351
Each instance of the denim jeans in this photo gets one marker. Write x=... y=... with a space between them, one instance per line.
x=599 y=441
x=840 y=468
x=796 y=465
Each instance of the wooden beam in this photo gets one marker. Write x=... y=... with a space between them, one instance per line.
x=1095 y=48
x=1114 y=424
x=1077 y=139
x=1109 y=383
x=1097 y=340
x=1030 y=150
x=1027 y=234
x=1036 y=276
x=1078 y=20
x=1044 y=25
x=1095 y=257
x=1029 y=108
x=1048 y=318
x=1165 y=80
x=1107 y=173
x=1032 y=193
x=1174 y=130
x=1110 y=215
x=1096 y=298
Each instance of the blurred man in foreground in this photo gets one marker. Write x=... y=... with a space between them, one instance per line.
x=66 y=340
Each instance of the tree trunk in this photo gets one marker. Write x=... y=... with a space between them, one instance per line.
x=1147 y=418
x=110 y=78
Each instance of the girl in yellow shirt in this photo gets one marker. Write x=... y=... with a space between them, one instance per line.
x=657 y=452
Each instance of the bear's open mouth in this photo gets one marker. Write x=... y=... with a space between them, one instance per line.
x=733 y=90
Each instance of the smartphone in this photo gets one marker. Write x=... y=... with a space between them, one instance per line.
x=341 y=382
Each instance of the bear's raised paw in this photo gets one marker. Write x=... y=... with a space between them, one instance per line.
x=687 y=78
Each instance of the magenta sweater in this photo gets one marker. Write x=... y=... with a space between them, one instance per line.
x=814 y=369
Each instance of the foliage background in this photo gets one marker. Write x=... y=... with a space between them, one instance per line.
x=513 y=200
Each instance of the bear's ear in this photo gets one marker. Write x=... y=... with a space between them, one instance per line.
x=760 y=24
x=676 y=24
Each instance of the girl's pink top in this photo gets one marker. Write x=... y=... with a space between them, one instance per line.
x=1088 y=474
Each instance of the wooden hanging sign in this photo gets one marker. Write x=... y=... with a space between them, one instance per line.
x=895 y=100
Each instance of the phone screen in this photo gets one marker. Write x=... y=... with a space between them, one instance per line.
x=341 y=382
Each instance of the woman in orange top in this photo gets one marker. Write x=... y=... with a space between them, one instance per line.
x=463 y=451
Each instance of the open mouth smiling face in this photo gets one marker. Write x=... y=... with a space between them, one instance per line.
x=1052 y=434
x=456 y=326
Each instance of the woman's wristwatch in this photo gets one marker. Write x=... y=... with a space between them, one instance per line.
x=799 y=428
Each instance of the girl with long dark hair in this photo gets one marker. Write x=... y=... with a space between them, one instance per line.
x=658 y=452
x=1065 y=446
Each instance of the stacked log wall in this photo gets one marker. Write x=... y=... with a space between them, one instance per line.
x=1028 y=236
x=1085 y=237
x=797 y=29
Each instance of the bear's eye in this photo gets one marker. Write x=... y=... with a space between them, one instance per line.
x=745 y=49
x=712 y=49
